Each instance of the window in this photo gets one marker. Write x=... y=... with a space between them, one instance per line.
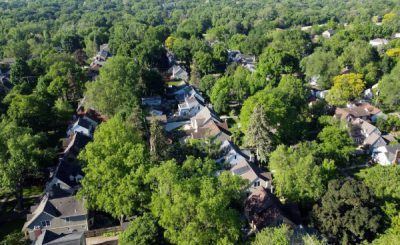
x=68 y=219
x=36 y=227
x=46 y=223
x=257 y=184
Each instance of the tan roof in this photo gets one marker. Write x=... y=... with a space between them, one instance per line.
x=243 y=169
x=210 y=129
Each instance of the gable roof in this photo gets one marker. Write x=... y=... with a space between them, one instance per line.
x=210 y=129
x=390 y=151
x=263 y=209
x=244 y=170
x=51 y=238
x=58 y=207
x=78 y=142
x=66 y=171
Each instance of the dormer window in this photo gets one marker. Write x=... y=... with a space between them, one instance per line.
x=46 y=223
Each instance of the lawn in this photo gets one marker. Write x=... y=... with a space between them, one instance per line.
x=174 y=83
x=11 y=227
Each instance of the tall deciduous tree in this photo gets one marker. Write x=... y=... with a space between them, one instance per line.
x=141 y=231
x=192 y=205
x=20 y=157
x=348 y=212
x=158 y=140
x=299 y=174
x=116 y=163
x=345 y=89
x=19 y=71
x=117 y=88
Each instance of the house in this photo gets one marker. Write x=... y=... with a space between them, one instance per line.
x=251 y=173
x=84 y=125
x=65 y=181
x=190 y=107
x=202 y=117
x=60 y=216
x=328 y=33
x=387 y=155
x=151 y=101
x=76 y=143
x=178 y=73
x=184 y=91
x=51 y=238
x=263 y=209
x=366 y=134
x=211 y=129
x=247 y=61
x=364 y=111
x=231 y=154
x=378 y=42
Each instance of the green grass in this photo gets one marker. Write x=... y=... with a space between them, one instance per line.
x=174 y=83
x=11 y=227
x=33 y=191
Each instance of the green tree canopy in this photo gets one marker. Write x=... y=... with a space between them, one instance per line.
x=116 y=163
x=192 y=205
x=299 y=174
x=141 y=231
x=346 y=88
x=347 y=212
x=117 y=88
x=322 y=66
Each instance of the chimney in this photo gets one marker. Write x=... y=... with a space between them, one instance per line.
x=37 y=232
x=396 y=157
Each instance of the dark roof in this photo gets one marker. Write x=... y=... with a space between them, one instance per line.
x=263 y=209
x=51 y=238
x=83 y=122
x=67 y=168
x=78 y=142
x=45 y=237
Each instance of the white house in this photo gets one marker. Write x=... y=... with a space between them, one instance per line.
x=190 y=107
x=83 y=125
x=179 y=73
x=387 y=155
x=378 y=42
x=232 y=154
x=328 y=33
x=202 y=117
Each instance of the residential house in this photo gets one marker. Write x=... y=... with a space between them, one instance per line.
x=247 y=61
x=328 y=33
x=378 y=42
x=51 y=238
x=366 y=134
x=202 y=117
x=178 y=73
x=387 y=155
x=184 y=91
x=213 y=130
x=60 y=216
x=65 y=181
x=263 y=209
x=152 y=101
x=190 y=107
x=364 y=111
x=84 y=125
x=75 y=144
x=232 y=155
x=251 y=173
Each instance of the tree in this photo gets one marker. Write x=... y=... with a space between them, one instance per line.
x=206 y=83
x=336 y=144
x=322 y=66
x=260 y=134
x=273 y=63
x=71 y=42
x=116 y=163
x=19 y=71
x=169 y=42
x=204 y=61
x=158 y=141
x=295 y=42
x=16 y=238
x=65 y=80
x=117 y=88
x=192 y=205
x=30 y=111
x=389 y=89
x=150 y=53
x=346 y=88
x=62 y=111
x=274 y=236
x=347 y=212
x=361 y=57
x=383 y=180
x=20 y=157
x=141 y=231
x=299 y=174
x=220 y=95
